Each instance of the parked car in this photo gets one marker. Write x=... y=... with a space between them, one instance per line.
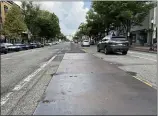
x=155 y=46
x=42 y=45
x=75 y=41
x=32 y=45
x=23 y=46
x=39 y=44
x=85 y=43
x=3 y=48
x=54 y=43
x=12 y=47
x=113 y=44
x=92 y=42
x=48 y=44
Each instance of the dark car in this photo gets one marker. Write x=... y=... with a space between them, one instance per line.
x=39 y=45
x=92 y=42
x=111 y=44
x=42 y=45
x=3 y=48
x=23 y=46
x=12 y=47
x=32 y=45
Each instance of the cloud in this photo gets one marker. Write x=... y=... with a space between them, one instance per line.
x=70 y=13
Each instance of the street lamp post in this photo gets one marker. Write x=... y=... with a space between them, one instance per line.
x=151 y=39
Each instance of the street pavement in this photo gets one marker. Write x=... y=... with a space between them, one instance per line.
x=66 y=79
x=87 y=85
x=25 y=75
x=140 y=65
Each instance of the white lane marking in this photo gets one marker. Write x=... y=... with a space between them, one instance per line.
x=144 y=58
x=25 y=81
x=5 y=98
x=142 y=54
x=28 y=78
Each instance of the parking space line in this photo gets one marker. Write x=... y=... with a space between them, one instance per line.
x=143 y=81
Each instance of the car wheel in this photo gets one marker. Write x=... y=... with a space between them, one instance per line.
x=98 y=50
x=124 y=52
x=5 y=52
x=106 y=51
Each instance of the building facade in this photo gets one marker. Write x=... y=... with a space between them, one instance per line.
x=145 y=34
x=4 y=7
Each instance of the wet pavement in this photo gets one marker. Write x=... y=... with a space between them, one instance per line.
x=87 y=85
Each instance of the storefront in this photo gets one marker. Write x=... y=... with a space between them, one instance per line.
x=140 y=37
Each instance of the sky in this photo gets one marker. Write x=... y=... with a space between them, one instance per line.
x=70 y=13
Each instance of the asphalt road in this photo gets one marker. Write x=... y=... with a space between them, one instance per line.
x=87 y=85
x=140 y=65
x=27 y=74
x=18 y=65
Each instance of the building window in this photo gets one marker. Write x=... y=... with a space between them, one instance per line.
x=5 y=9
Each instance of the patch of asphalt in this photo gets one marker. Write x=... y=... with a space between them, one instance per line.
x=24 y=102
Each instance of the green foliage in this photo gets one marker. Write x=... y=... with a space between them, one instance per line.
x=84 y=29
x=48 y=24
x=40 y=23
x=14 y=23
x=31 y=12
x=126 y=13
x=61 y=36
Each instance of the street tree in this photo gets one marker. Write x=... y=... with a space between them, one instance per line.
x=61 y=36
x=122 y=13
x=14 y=23
x=95 y=22
x=31 y=12
x=48 y=24
x=131 y=13
x=41 y=23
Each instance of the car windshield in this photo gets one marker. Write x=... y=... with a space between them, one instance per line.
x=86 y=41
x=118 y=39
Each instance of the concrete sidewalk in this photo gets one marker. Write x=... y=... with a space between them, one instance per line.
x=87 y=85
x=142 y=49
